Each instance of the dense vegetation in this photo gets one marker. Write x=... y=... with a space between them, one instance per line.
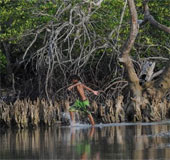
x=118 y=47
x=43 y=42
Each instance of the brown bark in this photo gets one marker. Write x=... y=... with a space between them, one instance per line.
x=119 y=113
x=133 y=79
x=163 y=84
x=146 y=103
x=133 y=110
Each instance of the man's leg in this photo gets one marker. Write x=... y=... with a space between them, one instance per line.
x=91 y=119
x=72 y=117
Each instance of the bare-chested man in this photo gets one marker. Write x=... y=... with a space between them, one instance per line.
x=83 y=103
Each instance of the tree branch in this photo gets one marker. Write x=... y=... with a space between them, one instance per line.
x=148 y=17
x=133 y=79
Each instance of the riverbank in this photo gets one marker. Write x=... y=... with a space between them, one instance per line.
x=26 y=113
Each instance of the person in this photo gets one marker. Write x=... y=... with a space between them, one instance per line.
x=83 y=103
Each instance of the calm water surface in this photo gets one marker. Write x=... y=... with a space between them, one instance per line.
x=113 y=141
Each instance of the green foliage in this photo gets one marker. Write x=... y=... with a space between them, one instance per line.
x=20 y=20
x=160 y=10
x=14 y=20
x=20 y=16
x=151 y=41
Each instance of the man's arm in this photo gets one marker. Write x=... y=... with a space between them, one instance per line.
x=74 y=85
x=89 y=89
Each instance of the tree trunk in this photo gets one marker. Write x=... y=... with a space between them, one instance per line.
x=125 y=58
x=147 y=102
x=136 y=89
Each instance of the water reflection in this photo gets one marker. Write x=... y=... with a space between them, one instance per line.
x=101 y=142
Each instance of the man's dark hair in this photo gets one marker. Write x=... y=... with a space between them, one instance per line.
x=74 y=77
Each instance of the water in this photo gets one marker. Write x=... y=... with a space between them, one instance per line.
x=110 y=141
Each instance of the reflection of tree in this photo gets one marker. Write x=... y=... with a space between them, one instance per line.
x=114 y=142
x=150 y=141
